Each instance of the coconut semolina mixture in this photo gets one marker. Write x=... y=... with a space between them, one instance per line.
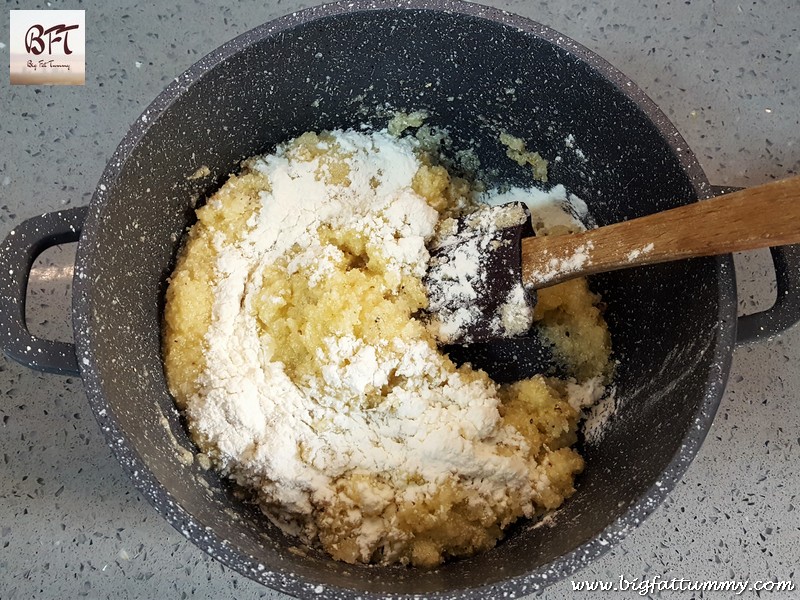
x=294 y=346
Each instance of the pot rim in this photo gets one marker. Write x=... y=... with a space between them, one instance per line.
x=291 y=583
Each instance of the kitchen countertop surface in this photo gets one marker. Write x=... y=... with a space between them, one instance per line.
x=72 y=525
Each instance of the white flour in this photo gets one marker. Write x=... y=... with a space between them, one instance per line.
x=297 y=439
x=549 y=208
x=598 y=416
x=563 y=265
x=637 y=252
x=515 y=315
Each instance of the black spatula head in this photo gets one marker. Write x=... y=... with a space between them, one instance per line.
x=510 y=359
x=478 y=307
x=474 y=278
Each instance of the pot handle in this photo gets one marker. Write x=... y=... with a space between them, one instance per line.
x=20 y=249
x=786 y=310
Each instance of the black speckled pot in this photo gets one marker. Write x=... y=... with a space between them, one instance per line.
x=477 y=71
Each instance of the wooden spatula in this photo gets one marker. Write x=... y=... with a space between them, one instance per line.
x=766 y=215
x=758 y=217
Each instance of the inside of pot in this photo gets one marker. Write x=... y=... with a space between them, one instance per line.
x=475 y=77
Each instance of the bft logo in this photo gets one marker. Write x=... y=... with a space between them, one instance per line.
x=48 y=47
x=34 y=42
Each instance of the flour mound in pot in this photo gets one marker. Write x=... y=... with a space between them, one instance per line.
x=291 y=343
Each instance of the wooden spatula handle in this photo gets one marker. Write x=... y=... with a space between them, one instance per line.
x=758 y=217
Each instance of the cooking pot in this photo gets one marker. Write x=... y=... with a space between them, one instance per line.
x=477 y=71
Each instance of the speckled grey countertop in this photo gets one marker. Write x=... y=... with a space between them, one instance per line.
x=71 y=524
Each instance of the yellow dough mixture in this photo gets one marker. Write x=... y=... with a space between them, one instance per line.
x=294 y=346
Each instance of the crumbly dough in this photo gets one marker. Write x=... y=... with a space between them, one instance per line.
x=303 y=314
x=516 y=151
